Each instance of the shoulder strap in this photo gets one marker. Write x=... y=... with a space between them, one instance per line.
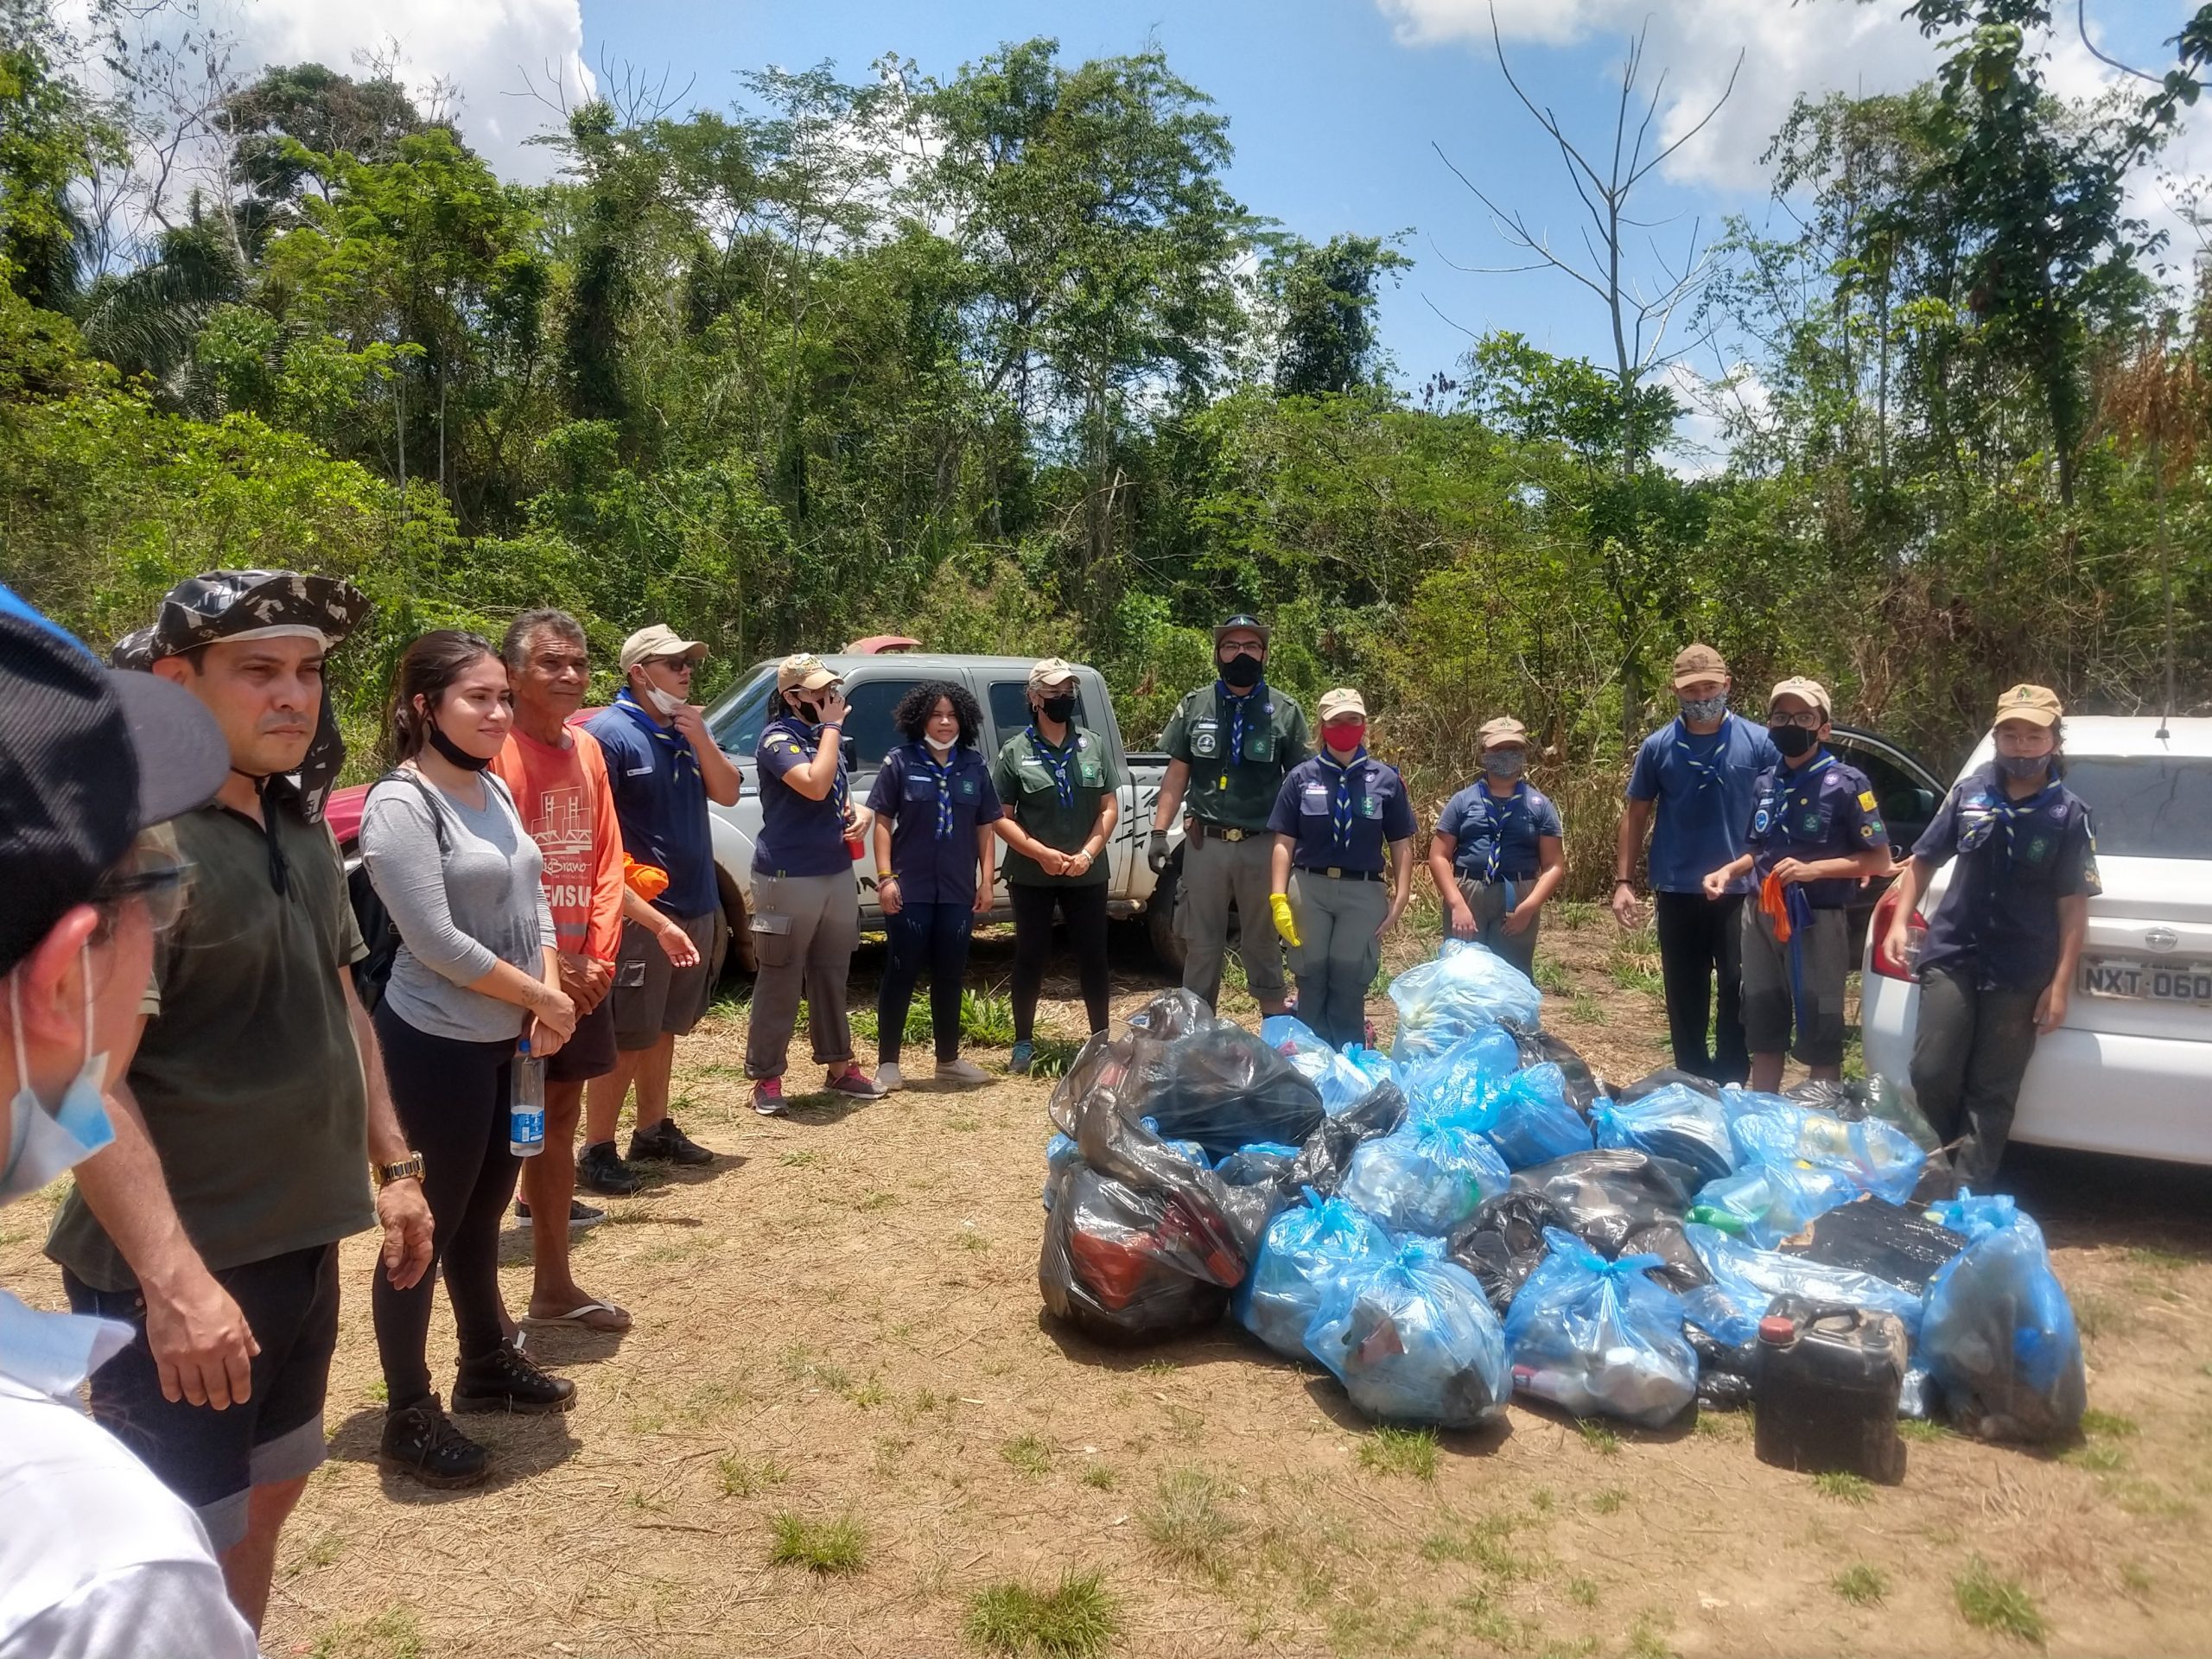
x=430 y=797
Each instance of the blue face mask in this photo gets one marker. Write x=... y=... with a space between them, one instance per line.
x=42 y=1145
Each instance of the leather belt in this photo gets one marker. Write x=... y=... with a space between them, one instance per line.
x=1343 y=875
x=1225 y=833
x=1485 y=881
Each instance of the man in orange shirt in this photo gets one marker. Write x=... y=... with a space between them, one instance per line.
x=558 y=777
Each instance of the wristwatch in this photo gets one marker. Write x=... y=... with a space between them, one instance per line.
x=409 y=1170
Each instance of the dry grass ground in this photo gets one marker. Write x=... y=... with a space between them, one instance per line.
x=839 y=1361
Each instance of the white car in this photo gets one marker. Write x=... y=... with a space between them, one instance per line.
x=2131 y=1069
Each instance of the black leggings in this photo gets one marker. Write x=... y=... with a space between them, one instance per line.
x=1701 y=942
x=1083 y=909
x=932 y=937
x=451 y=1097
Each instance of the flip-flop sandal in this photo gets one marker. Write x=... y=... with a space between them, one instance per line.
x=581 y=1317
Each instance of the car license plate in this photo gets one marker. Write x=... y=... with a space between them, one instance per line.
x=2151 y=981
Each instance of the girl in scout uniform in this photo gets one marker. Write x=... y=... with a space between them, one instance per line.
x=1061 y=792
x=1498 y=851
x=1332 y=820
x=2001 y=952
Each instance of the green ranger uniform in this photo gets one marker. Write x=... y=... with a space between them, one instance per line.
x=1024 y=776
x=1237 y=792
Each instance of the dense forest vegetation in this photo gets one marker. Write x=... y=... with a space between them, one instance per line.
x=997 y=360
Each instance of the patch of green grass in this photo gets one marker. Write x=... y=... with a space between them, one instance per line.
x=1860 y=1585
x=1078 y=1619
x=1158 y=1367
x=1572 y=913
x=1588 y=1010
x=743 y=1477
x=319 y=1551
x=870 y=1394
x=1583 y=1593
x=1552 y=977
x=963 y=1123
x=1029 y=1455
x=2135 y=1579
x=392 y=1634
x=2097 y=1316
x=1051 y=1057
x=1634 y=975
x=1647 y=1637
x=805 y=1159
x=1989 y=1602
x=1599 y=1438
x=1482 y=1545
x=2161 y=1261
x=2098 y=1458
x=1843 y=1487
x=837 y=1546
x=1099 y=1476
x=2107 y=1425
x=378 y=1392
x=1390 y=1451
x=1185 y=1523
x=876 y=1201
x=1925 y=1430
x=986 y=1019
x=803 y=1365
x=968 y=1239
x=1608 y=1501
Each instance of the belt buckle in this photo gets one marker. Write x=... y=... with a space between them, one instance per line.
x=1334 y=869
x=1231 y=834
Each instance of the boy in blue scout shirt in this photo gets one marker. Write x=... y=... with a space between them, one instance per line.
x=1816 y=835
x=934 y=808
x=1331 y=820
x=2001 y=951
x=1498 y=853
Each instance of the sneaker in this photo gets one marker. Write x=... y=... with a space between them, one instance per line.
x=601 y=1170
x=506 y=1379
x=768 y=1097
x=422 y=1441
x=581 y=1215
x=666 y=1144
x=856 y=1083
x=1025 y=1055
x=965 y=1071
x=887 y=1077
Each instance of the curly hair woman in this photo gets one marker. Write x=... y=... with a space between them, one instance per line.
x=934 y=808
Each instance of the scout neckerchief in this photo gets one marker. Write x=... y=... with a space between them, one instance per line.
x=1341 y=804
x=1787 y=794
x=1700 y=766
x=680 y=753
x=1238 y=708
x=1058 y=762
x=2000 y=808
x=809 y=738
x=942 y=771
x=1498 y=815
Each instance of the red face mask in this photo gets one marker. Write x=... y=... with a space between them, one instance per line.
x=1344 y=735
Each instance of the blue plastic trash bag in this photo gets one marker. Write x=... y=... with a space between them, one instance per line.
x=1377 y=1065
x=1768 y=1202
x=1676 y=1121
x=1305 y=1250
x=1425 y=1179
x=1999 y=1340
x=1530 y=1120
x=1745 y=1280
x=1454 y=1085
x=1599 y=1339
x=1880 y=1157
x=1466 y=987
x=1413 y=1341
x=1060 y=1153
x=1263 y=1161
x=1342 y=1083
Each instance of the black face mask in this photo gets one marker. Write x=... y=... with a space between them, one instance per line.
x=810 y=712
x=1793 y=740
x=1058 y=709
x=1242 y=672
x=453 y=752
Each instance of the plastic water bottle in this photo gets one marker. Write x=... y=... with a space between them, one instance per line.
x=526 y=1104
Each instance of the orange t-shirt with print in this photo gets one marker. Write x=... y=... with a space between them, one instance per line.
x=569 y=808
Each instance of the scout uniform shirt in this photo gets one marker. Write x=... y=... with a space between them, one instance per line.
x=1234 y=788
x=1054 y=793
x=1704 y=788
x=933 y=810
x=1999 y=919
x=1497 y=840
x=660 y=800
x=1822 y=810
x=1342 y=817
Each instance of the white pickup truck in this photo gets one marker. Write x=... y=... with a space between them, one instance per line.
x=873 y=685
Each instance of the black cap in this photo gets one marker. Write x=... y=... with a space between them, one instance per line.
x=1242 y=620
x=88 y=758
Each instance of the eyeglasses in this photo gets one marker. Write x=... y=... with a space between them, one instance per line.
x=161 y=878
x=1810 y=719
x=1242 y=648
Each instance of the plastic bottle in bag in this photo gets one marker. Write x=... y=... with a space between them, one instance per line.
x=1425 y=1180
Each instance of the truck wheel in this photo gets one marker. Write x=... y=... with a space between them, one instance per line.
x=1160 y=918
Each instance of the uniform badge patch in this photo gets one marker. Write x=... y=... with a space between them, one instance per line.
x=1866 y=800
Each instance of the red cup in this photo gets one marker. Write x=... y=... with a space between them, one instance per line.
x=854 y=847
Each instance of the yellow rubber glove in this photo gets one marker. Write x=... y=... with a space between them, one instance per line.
x=1279 y=904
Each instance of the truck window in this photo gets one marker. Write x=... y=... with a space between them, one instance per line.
x=1010 y=706
x=869 y=724
x=736 y=722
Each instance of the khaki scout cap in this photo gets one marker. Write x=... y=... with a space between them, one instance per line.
x=1807 y=692
x=1695 y=663
x=2036 y=704
x=1052 y=672
x=659 y=640
x=1504 y=729
x=803 y=672
x=1342 y=700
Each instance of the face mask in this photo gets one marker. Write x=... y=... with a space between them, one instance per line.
x=2024 y=767
x=1243 y=671
x=1700 y=710
x=1793 y=740
x=1057 y=708
x=938 y=749
x=810 y=712
x=662 y=701
x=1345 y=736
x=42 y=1145
x=454 y=752
x=1505 y=763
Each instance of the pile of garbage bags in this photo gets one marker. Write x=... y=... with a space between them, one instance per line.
x=1477 y=1214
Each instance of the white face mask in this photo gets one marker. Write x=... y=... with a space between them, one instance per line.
x=938 y=749
x=661 y=700
x=42 y=1146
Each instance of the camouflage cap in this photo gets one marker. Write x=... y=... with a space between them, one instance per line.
x=803 y=672
x=232 y=605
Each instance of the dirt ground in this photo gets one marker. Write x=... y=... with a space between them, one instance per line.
x=840 y=1321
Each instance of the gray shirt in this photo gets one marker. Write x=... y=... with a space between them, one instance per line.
x=481 y=901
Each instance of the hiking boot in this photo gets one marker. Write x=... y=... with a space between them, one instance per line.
x=856 y=1084
x=768 y=1097
x=1024 y=1056
x=422 y=1441
x=961 y=1072
x=887 y=1077
x=581 y=1215
x=506 y=1379
x=599 y=1169
x=666 y=1144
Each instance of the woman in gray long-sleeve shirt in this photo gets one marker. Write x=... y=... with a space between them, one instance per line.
x=455 y=865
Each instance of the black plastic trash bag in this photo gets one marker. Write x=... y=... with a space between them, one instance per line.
x=1652 y=1082
x=1262 y=1162
x=1726 y=1372
x=1123 y=1265
x=1327 y=1155
x=1612 y=1196
x=1173 y=1013
x=1585 y=1088
x=1223 y=1088
x=1854 y=1099
x=1502 y=1242
x=1895 y=1242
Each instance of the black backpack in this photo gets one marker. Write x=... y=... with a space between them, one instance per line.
x=378 y=931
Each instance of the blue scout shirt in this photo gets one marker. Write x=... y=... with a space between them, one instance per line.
x=933 y=812
x=798 y=836
x=1342 y=817
x=660 y=800
x=1498 y=840
x=1704 y=786
x=1823 y=810
x=2016 y=860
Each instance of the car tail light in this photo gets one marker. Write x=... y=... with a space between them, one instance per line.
x=1877 y=927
